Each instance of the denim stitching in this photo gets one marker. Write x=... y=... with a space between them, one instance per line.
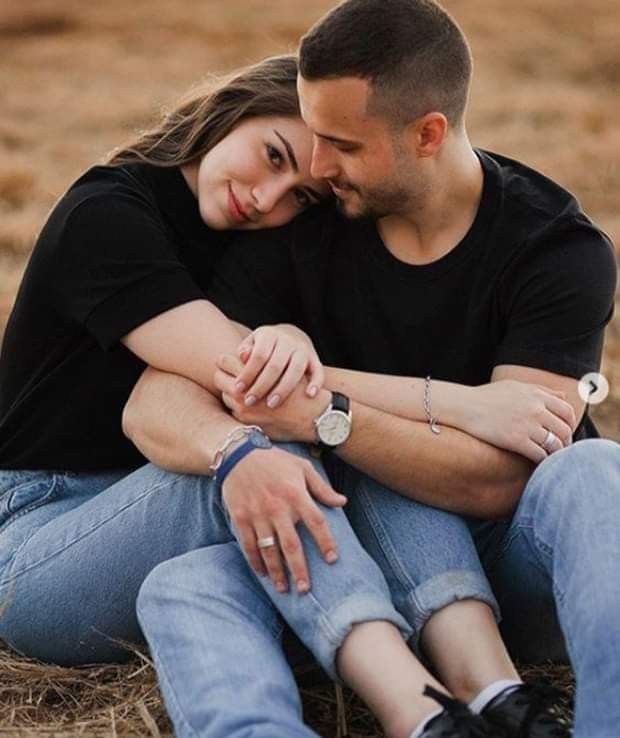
x=162 y=675
x=33 y=505
x=10 y=577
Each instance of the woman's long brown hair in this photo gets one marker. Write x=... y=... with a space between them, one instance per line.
x=211 y=111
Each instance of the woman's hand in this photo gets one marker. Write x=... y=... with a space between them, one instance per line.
x=267 y=493
x=517 y=416
x=276 y=359
x=291 y=421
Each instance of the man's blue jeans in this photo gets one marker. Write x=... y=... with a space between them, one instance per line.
x=552 y=567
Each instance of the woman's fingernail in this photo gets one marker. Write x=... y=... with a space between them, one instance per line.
x=281 y=586
x=312 y=390
x=331 y=557
x=250 y=400
x=273 y=401
x=302 y=586
x=240 y=386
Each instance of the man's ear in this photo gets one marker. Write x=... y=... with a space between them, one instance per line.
x=426 y=135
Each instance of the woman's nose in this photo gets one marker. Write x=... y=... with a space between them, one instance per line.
x=268 y=193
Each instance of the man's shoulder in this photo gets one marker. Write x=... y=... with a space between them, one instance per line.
x=531 y=208
x=527 y=195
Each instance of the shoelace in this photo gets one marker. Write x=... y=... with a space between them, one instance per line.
x=539 y=699
x=472 y=726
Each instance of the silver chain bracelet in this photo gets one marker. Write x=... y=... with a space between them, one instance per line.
x=235 y=435
x=432 y=421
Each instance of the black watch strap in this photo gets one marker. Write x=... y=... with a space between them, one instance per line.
x=340 y=402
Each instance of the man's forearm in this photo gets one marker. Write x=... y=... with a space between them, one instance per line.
x=452 y=470
x=176 y=423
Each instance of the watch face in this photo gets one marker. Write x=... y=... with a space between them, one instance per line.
x=334 y=428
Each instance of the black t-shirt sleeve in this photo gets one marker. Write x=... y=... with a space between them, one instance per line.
x=115 y=267
x=557 y=300
x=254 y=280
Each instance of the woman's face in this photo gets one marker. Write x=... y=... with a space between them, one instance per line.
x=258 y=176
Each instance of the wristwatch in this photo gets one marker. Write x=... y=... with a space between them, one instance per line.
x=333 y=426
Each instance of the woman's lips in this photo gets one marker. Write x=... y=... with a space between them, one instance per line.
x=237 y=212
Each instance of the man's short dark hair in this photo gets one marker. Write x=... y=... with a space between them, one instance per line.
x=411 y=51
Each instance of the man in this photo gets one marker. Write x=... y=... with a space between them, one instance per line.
x=459 y=265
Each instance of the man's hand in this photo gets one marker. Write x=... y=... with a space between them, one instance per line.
x=275 y=360
x=267 y=493
x=291 y=421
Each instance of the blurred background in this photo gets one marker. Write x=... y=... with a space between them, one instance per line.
x=76 y=79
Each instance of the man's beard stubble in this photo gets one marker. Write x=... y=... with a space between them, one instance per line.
x=373 y=204
x=379 y=201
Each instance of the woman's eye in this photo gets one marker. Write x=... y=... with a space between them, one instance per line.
x=303 y=198
x=275 y=157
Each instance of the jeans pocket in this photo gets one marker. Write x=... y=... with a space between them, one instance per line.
x=23 y=491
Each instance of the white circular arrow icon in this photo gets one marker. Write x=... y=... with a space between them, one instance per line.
x=593 y=388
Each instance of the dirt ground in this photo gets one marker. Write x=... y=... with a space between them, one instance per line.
x=77 y=78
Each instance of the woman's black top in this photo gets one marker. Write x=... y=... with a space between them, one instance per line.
x=121 y=246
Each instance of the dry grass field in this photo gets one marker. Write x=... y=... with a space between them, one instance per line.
x=76 y=78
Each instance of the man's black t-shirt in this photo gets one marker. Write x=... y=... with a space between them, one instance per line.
x=532 y=283
x=122 y=245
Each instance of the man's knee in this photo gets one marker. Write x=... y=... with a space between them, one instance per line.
x=207 y=570
x=584 y=473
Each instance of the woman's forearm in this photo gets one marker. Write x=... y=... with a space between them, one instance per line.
x=403 y=396
x=186 y=340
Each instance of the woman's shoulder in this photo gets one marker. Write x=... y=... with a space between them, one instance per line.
x=100 y=193
x=129 y=183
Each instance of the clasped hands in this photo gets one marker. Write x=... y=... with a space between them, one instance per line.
x=275 y=381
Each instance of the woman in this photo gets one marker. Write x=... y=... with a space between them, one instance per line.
x=115 y=283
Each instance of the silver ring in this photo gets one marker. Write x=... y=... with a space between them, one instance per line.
x=266 y=542
x=548 y=438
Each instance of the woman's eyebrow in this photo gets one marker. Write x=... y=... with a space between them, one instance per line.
x=293 y=159
x=289 y=151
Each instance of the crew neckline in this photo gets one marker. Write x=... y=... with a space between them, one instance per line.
x=381 y=256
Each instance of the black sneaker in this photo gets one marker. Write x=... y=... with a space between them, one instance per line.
x=457 y=720
x=527 y=712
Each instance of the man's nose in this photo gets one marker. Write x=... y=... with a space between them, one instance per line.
x=323 y=164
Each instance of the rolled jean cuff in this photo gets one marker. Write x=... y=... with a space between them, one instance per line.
x=335 y=625
x=442 y=590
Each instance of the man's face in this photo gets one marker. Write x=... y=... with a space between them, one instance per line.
x=367 y=164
